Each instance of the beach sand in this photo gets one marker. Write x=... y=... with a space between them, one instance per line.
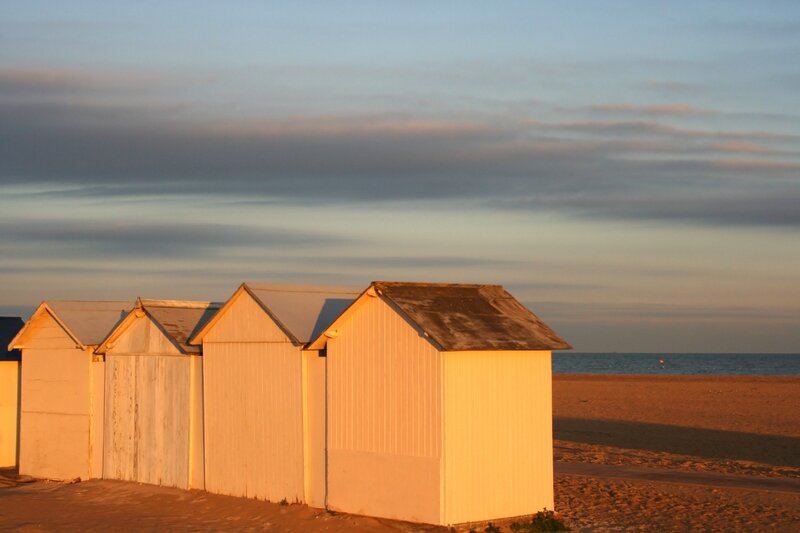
x=729 y=424
x=747 y=426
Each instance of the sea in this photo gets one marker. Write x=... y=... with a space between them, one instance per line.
x=748 y=364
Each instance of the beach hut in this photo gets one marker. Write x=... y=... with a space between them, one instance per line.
x=9 y=391
x=439 y=406
x=61 y=411
x=265 y=394
x=154 y=401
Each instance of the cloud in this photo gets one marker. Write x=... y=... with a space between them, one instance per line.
x=676 y=109
x=602 y=168
x=777 y=208
x=108 y=239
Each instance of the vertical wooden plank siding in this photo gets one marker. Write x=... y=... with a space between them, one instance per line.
x=147 y=419
x=197 y=476
x=498 y=441
x=384 y=418
x=119 y=428
x=254 y=420
x=9 y=412
x=253 y=397
x=96 y=415
x=148 y=411
x=55 y=404
x=314 y=428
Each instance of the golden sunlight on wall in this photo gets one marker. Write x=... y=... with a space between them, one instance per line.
x=9 y=412
x=253 y=407
x=56 y=404
x=498 y=451
x=384 y=418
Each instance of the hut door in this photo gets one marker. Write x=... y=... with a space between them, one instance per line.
x=147 y=419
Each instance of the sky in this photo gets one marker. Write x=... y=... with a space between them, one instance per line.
x=630 y=171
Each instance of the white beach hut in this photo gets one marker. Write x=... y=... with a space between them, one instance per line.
x=9 y=392
x=154 y=400
x=61 y=411
x=439 y=404
x=265 y=394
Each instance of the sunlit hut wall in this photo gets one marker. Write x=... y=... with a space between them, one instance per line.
x=62 y=388
x=9 y=391
x=154 y=401
x=265 y=394
x=439 y=404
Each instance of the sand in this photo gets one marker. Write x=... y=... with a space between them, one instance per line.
x=745 y=426
x=738 y=425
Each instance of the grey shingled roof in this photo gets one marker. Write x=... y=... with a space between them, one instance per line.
x=9 y=327
x=90 y=320
x=470 y=317
x=302 y=311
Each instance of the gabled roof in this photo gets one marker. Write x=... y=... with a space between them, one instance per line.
x=87 y=322
x=458 y=317
x=9 y=327
x=177 y=319
x=302 y=312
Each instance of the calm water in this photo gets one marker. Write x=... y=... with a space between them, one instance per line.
x=677 y=363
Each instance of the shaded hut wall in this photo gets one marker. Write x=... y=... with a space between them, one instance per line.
x=9 y=412
x=314 y=427
x=151 y=413
x=253 y=407
x=384 y=418
x=56 y=404
x=497 y=407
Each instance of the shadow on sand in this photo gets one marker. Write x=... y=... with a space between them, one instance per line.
x=708 y=443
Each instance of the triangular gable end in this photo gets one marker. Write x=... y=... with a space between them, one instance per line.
x=140 y=333
x=46 y=319
x=244 y=318
x=368 y=295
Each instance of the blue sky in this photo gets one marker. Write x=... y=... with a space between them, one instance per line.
x=630 y=171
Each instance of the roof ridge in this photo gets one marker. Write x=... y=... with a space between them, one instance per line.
x=309 y=289
x=436 y=284
x=185 y=304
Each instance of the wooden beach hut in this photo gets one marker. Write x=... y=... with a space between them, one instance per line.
x=154 y=401
x=62 y=384
x=9 y=392
x=265 y=394
x=439 y=404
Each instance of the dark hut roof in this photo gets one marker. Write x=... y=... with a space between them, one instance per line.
x=470 y=317
x=9 y=327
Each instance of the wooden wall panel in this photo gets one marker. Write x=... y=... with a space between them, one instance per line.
x=54 y=412
x=498 y=442
x=119 y=450
x=254 y=420
x=384 y=410
x=314 y=428
x=96 y=417
x=9 y=412
x=147 y=424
